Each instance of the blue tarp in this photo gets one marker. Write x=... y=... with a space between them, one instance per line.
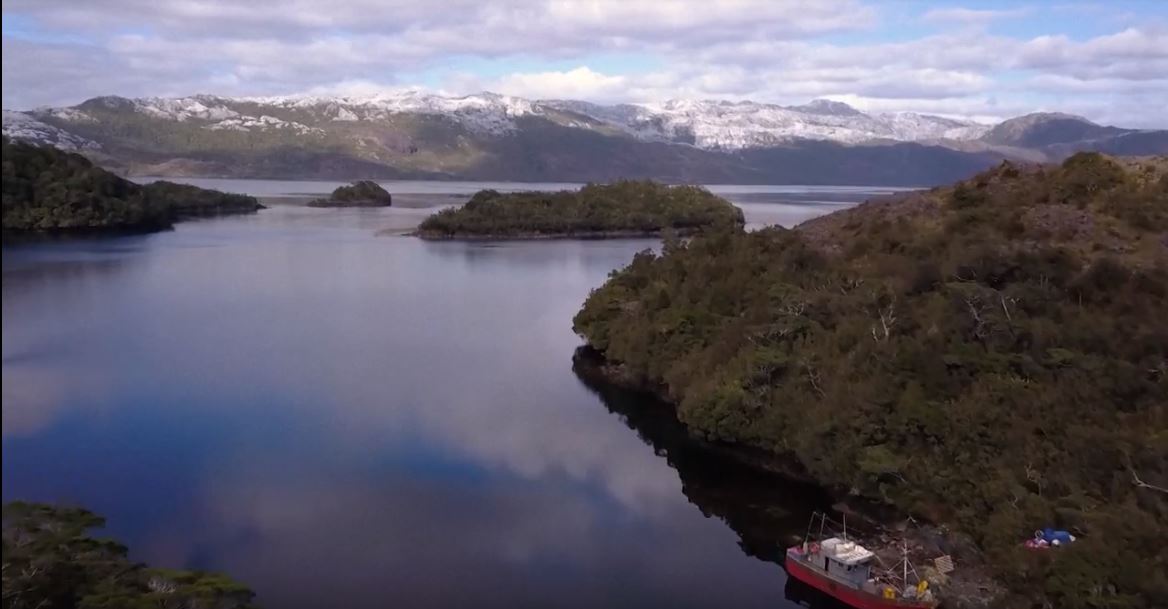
x=1050 y=535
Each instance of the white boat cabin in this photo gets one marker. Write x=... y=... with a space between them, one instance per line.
x=843 y=560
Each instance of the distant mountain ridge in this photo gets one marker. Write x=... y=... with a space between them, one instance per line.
x=1048 y=128
x=491 y=136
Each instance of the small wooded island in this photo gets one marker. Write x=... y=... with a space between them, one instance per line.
x=49 y=190
x=991 y=357
x=363 y=193
x=621 y=209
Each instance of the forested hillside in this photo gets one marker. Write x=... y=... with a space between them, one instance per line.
x=991 y=356
x=46 y=189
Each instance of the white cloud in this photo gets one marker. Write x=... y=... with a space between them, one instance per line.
x=1133 y=54
x=596 y=21
x=764 y=50
x=578 y=83
x=970 y=16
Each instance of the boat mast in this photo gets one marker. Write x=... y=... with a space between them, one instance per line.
x=807 y=535
x=845 y=526
x=904 y=550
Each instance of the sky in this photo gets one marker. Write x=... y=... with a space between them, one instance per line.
x=986 y=60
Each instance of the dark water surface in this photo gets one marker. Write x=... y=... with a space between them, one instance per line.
x=340 y=419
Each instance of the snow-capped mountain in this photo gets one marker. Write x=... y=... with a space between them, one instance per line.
x=492 y=136
x=736 y=125
x=707 y=124
x=485 y=112
x=22 y=126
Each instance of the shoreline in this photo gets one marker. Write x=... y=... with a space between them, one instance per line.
x=15 y=236
x=592 y=363
x=324 y=203
x=584 y=236
x=578 y=235
x=969 y=586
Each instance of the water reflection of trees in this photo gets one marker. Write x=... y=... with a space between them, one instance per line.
x=54 y=266
x=540 y=253
x=765 y=510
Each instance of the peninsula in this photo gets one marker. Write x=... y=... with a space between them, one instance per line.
x=49 y=190
x=990 y=356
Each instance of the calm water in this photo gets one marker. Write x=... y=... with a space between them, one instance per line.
x=342 y=419
x=785 y=205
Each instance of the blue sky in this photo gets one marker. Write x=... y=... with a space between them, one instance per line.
x=1105 y=60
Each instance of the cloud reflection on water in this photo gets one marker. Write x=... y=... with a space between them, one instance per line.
x=330 y=415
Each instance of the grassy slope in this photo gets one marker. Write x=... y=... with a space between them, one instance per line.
x=993 y=356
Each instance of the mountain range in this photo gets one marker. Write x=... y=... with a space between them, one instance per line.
x=489 y=136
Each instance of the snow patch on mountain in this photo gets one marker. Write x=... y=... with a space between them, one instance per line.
x=22 y=126
x=484 y=112
x=248 y=123
x=919 y=127
x=345 y=114
x=637 y=121
x=735 y=125
x=70 y=114
x=185 y=108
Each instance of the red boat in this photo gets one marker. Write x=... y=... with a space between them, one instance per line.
x=843 y=570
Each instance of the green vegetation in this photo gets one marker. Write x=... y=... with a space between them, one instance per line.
x=991 y=356
x=50 y=562
x=45 y=188
x=48 y=189
x=363 y=193
x=625 y=208
x=184 y=200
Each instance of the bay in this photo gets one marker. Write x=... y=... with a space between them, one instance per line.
x=338 y=418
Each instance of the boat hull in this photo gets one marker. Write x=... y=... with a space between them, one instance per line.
x=803 y=571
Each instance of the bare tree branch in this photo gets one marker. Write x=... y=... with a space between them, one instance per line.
x=975 y=311
x=887 y=322
x=1141 y=484
x=813 y=377
x=1005 y=307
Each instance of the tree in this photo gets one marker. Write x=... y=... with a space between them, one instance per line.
x=51 y=561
